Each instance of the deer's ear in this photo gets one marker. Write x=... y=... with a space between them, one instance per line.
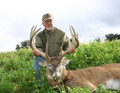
x=43 y=63
x=65 y=62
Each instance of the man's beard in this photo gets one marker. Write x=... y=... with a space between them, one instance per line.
x=49 y=28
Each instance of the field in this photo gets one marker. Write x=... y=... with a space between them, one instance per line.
x=18 y=76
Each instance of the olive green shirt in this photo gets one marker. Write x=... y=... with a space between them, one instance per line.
x=54 y=38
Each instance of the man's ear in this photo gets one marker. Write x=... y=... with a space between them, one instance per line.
x=43 y=24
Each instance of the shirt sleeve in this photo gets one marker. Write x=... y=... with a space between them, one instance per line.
x=38 y=43
x=65 y=42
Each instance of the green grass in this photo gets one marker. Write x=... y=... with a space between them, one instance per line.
x=18 y=76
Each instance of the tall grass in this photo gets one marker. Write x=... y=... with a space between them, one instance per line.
x=18 y=76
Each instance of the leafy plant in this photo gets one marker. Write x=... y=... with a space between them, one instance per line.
x=18 y=76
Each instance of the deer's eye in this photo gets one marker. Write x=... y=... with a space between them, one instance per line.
x=50 y=66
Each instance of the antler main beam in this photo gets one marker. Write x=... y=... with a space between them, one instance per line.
x=32 y=35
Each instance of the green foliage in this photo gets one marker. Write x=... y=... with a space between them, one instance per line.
x=94 y=54
x=18 y=76
x=5 y=85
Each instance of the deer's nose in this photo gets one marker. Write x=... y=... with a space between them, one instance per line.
x=56 y=77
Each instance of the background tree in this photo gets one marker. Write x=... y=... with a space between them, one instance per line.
x=24 y=44
x=111 y=37
x=17 y=47
x=98 y=40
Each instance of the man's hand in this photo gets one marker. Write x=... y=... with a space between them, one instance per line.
x=36 y=52
x=71 y=50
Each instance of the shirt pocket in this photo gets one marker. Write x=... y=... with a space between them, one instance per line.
x=58 y=43
x=57 y=46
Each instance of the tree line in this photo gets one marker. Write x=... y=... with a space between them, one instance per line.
x=24 y=44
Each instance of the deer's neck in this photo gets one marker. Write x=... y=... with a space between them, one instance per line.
x=64 y=75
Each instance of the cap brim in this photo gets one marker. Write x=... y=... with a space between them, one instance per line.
x=47 y=19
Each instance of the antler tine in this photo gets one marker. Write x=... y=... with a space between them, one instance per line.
x=74 y=37
x=34 y=28
x=61 y=48
x=33 y=31
x=60 y=54
x=46 y=53
x=72 y=30
x=32 y=34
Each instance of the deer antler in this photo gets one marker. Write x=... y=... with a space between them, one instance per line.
x=32 y=35
x=74 y=44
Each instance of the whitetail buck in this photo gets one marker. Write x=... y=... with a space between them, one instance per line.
x=108 y=74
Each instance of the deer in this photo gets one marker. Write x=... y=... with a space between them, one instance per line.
x=107 y=74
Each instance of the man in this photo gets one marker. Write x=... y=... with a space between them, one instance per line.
x=54 y=36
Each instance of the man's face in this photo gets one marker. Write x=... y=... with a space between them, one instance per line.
x=48 y=24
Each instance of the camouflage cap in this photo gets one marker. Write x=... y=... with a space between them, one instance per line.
x=46 y=17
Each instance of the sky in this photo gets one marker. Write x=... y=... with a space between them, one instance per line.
x=91 y=19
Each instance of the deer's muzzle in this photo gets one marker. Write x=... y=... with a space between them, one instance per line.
x=56 y=77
